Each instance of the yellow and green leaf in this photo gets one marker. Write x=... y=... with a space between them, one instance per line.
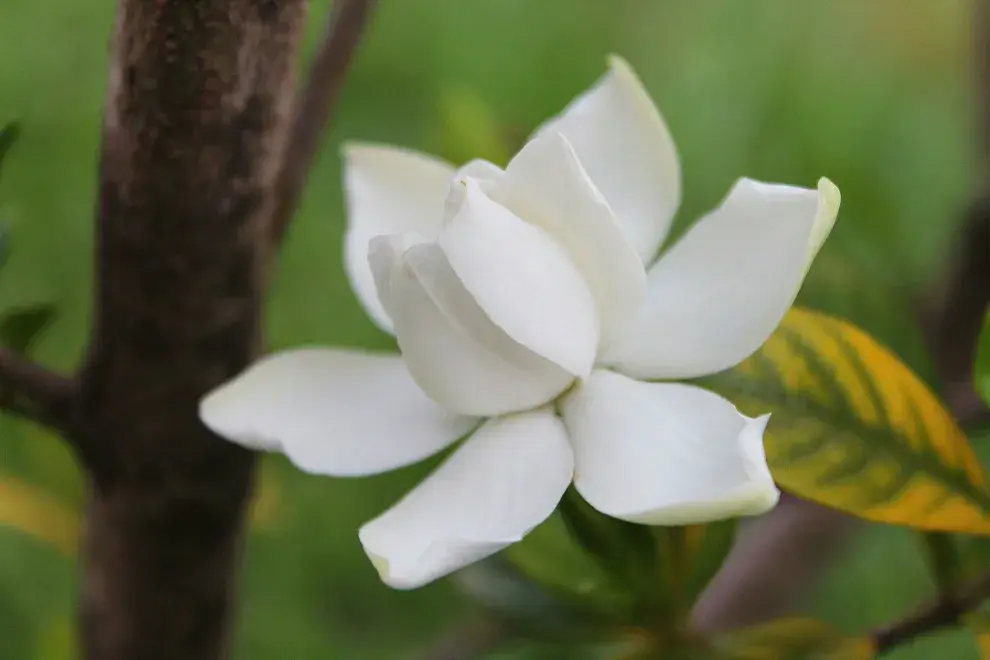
x=690 y=557
x=32 y=512
x=979 y=624
x=794 y=639
x=853 y=428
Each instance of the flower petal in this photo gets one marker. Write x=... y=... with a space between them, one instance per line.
x=626 y=148
x=546 y=185
x=335 y=412
x=524 y=280
x=389 y=191
x=665 y=453
x=453 y=350
x=716 y=296
x=504 y=481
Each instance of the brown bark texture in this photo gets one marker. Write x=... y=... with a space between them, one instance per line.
x=197 y=110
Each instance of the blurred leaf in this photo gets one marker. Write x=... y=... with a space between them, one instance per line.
x=980 y=625
x=944 y=560
x=524 y=605
x=855 y=429
x=469 y=129
x=58 y=640
x=32 y=512
x=627 y=552
x=794 y=639
x=19 y=328
x=982 y=370
x=265 y=501
x=551 y=557
x=8 y=136
x=702 y=551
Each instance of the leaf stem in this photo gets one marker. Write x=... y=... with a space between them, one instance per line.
x=946 y=612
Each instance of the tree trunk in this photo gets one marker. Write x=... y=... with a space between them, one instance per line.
x=197 y=113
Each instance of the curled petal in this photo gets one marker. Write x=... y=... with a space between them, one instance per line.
x=333 y=412
x=389 y=191
x=524 y=280
x=504 y=481
x=546 y=185
x=624 y=144
x=665 y=453
x=454 y=351
x=718 y=294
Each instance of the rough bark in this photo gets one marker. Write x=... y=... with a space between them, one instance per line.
x=198 y=109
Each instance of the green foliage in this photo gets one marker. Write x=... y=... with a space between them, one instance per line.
x=20 y=328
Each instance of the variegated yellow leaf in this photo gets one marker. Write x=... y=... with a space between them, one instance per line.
x=32 y=512
x=853 y=428
x=794 y=639
x=980 y=625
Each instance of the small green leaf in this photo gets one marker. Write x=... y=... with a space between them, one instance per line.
x=19 y=328
x=982 y=369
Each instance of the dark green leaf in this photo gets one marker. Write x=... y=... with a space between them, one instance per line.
x=629 y=553
x=19 y=328
x=8 y=135
x=524 y=605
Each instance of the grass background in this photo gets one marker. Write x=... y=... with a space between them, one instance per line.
x=876 y=95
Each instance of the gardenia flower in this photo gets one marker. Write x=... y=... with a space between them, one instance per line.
x=531 y=320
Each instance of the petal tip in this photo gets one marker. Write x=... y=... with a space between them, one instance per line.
x=831 y=197
x=828 y=211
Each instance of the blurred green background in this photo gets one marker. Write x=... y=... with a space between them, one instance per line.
x=875 y=94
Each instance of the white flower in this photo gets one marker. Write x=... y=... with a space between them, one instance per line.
x=530 y=319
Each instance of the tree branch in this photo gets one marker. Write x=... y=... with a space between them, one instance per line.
x=944 y=613
x=35 y=393
x=315 y=107
x=197 y=113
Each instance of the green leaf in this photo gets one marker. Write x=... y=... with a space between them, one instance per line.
x=982 y=369
x=628 y=552
x=551 y=557
x=525 y=605
x=979 y=624
x=19 y=328
x=853 y=428
x=944 y=559
x=704 y=552
x=794 y=639
x=8 y=136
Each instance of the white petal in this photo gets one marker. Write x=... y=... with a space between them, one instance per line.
x=384 y=252
x=504 y=481
x=716 y=296
x=665 y=453
x=626 y=148
x=389 y=191
x=335 y=412
x=546 y=185
x=524 y=280
x=453 y=350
